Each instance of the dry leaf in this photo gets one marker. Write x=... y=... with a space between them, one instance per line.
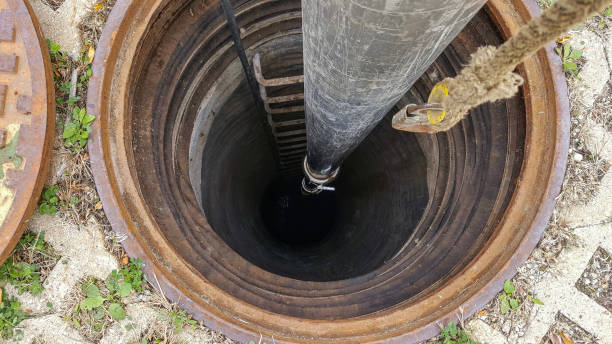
x=86 y=156
x=482 y=312
x=566 y=339
x=27 y=311
x=564 y=39
x=98 y=206
x=125 y=259
x=90 y=53
x=0 y=295
x=555 y=338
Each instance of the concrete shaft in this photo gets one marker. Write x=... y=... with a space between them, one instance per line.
x=360 y=57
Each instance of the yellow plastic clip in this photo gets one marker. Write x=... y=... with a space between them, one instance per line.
x=438 y=93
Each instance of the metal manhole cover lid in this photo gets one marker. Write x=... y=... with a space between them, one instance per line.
x=27 y=118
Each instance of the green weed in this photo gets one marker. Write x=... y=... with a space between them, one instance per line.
x=49 y=200
x=11 y=315
x=132 y=273
x=103 y=300
x=569 y=59
x=23 y=275
x=452 y=334
x=507 y=301
x=179 y=319
x=77 y=131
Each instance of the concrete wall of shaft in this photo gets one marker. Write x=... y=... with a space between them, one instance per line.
x=360 y=57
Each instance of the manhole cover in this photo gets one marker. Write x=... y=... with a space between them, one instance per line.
x=27 y=118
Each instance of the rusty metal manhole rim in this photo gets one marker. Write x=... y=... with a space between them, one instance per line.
x=213 y=318
x=34 y=140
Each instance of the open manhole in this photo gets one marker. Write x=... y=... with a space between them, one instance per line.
x=422 y=228
x=27 y=119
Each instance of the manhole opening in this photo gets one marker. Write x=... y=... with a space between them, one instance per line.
x=261 y=213
x=410 y=211
x=183 y=171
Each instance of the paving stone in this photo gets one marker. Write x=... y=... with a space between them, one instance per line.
x=570 y=330
x=599 y=209
x=54 y=4
x=595 y=72
x=558 y=291
x=61 y=25
x=140 y=317
x=48 y=329
x=82 y=254
x=595 y=280
x=477 y=328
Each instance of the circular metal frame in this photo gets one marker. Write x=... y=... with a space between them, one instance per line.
x=514 y=237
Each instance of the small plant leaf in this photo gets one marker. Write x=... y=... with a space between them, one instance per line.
x=575 y=54
x=92 y=302
x=509 y=287
x=537 y=301
x=91 y=290
x=88 y=119
x=45 y=208
x=453 y=329
x=98 y=313
x=71 y=129
x=569 y=66
x=49 y=192
x=116 y=311
x=504 y=306
x=112 y=281
x=125 y=289
x=514 y=303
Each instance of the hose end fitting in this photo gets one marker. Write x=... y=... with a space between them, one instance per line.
x=313 y=182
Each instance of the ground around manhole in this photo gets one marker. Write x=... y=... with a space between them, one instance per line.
x=69 y=281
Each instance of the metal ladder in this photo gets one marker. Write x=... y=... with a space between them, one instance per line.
x=287 y=121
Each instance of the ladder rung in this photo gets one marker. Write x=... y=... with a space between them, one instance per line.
x=290 y=161
x=284 y=99
x=273 y=82
x=288 y=109
x=299 y=145
x=292 y=139
x=288 y=123
x=284 y=155
x=290 y=133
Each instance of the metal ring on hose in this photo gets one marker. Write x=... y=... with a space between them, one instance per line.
x=316 y=178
